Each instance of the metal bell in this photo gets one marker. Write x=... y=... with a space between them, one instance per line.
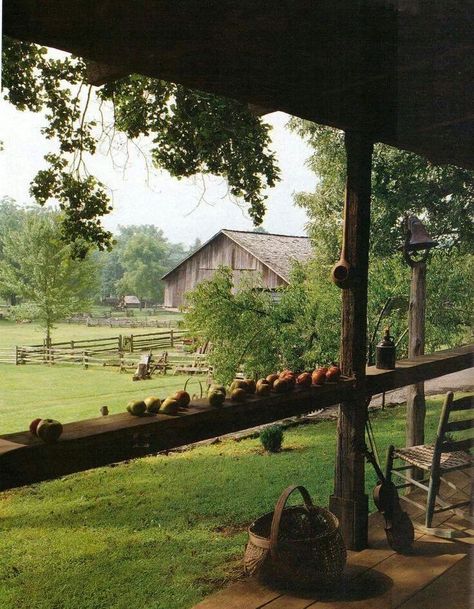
x=419 y=238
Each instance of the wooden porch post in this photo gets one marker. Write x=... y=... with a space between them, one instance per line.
x=349 y=501
x=416 y=405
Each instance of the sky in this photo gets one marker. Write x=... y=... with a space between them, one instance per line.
x=184 y=209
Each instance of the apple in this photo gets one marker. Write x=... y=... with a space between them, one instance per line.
x=319 y=376
x=333 y=374
x=238 y=384
x=238 y=395
x=49 y=430
x=136 y=407
x=152 y=404
x=33 y=426
x=251 y=385
x=183 y=398
x=170 y=406
x=263 y=387
x=220 y=388
x=271 y=378
x=281 y=385
x=216 y=397
x=304 y=379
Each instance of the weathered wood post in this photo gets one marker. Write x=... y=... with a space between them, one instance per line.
x=416 y=406
x=349 y=501
x=171 y=338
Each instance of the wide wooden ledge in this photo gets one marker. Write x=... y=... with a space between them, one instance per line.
x=95 y=442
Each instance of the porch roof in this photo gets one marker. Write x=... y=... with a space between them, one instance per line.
x=400 y=71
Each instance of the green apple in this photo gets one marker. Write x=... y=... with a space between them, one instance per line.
x=49 y=430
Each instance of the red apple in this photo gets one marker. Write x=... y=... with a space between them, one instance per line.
x=304 y=379
x=333 y=374
x=319 y=376
x=183 y=398
x=33 y=426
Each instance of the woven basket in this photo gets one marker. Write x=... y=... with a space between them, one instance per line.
x=297 y=547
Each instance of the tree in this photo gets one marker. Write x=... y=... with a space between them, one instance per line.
x=140 y=256
x=39 y=267
x=191 y=132
x=11 y=218
x=301 y=329
x=144 y=261
x=402 y=182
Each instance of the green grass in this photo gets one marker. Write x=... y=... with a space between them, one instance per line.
x=12 y=334
x=70 y=393
x=159 y=532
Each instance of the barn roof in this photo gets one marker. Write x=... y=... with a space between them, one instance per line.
x=130 y=299
x=277 y=252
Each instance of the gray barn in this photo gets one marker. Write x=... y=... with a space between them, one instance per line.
x=269 y=255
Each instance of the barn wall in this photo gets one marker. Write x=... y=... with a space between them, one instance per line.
x=222 y=251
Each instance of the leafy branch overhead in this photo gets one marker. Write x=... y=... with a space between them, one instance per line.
x=191 y=132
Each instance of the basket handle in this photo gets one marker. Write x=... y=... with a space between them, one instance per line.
x=275 y=529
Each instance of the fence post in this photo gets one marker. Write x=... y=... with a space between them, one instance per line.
x=171 y=338
x=72 y=345
x=122 y=362
x=131 y=343
x=119 y=343
x=85 y=360
x=16 y=355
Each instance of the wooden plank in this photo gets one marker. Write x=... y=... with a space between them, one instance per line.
x=247 y=594
x=422 y=368
x=103 y=440
x=452 y=590
x=395 y=580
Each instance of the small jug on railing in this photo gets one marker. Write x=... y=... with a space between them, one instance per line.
x=386 y=352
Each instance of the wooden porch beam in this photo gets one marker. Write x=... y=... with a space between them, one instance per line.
x=349 y=501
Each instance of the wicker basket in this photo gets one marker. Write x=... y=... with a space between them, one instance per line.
x=298 y=547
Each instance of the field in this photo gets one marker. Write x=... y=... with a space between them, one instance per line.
x=69 y=393
x=12 y=334
x=159 y=532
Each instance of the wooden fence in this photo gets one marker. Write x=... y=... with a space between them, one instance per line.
x=122 y=322
x=111 y=350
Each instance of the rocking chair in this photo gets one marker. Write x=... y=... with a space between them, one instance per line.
x=444 y=456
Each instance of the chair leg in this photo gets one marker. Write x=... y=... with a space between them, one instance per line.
x=389 y=464
x=430 y=503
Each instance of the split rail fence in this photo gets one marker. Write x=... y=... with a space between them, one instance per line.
x=106 y=351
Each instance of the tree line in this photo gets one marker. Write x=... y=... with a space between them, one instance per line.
x=44 y=279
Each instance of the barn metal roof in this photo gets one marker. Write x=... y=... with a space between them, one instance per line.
x=277 y=252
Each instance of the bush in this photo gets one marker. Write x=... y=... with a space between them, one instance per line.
x=272 y=438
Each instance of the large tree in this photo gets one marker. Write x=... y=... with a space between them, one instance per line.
x=11 y=219
x=40 y=268
x=402 y=182
x=190 y=131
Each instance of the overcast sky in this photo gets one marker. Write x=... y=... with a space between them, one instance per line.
x=167 y=202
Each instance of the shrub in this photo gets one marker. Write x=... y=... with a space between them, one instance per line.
x=272 y=438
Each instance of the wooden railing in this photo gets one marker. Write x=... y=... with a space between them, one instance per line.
x=96 y=442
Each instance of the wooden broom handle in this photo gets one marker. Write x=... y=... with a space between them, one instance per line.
x=277 y=514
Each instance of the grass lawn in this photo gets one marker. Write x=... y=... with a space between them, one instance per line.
x=159 y=532
x=70 y=393
x=12 y=334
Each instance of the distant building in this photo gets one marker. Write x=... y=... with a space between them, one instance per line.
x=269 y=255
x=130 y=302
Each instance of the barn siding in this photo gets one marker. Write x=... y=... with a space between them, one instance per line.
x=222 y=251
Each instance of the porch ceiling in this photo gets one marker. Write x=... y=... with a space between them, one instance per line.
x=401 y=71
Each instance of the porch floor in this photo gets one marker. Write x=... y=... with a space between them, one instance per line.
x=438 y=573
